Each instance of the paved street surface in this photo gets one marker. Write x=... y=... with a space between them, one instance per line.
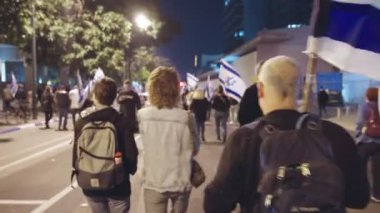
x=35 y=168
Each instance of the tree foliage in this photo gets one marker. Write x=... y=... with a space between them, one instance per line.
x=82 y=34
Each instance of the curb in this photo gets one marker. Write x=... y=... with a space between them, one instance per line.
x=24 y=126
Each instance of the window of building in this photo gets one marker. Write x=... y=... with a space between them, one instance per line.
x=293 y=26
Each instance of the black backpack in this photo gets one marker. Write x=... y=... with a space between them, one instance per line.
x=298 y=173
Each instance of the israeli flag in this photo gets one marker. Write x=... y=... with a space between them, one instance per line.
x=14 y=85
x=346 y=34
x=231 y=81
x=192 y=81
x=86 y=92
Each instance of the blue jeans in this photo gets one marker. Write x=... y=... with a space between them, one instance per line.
x=62 y=113
x=109 y=204
x=221 y=122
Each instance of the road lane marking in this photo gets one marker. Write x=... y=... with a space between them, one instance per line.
x=26 y=159
x=46 y=205
x=22 y=202
x=35 y=147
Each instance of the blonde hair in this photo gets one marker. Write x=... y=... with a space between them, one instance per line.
x=163 y=87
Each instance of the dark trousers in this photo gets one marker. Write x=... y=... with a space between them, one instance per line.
x=62 y=113
x=322 y=107
x=74 y=112
x=48 y=116
x=372 y=151
x=201 y=129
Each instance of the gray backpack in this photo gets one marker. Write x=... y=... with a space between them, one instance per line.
x=97 y=159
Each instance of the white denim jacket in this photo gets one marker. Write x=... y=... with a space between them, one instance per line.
x=169 y=146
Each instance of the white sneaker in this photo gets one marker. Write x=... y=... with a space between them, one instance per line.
x=374 y=199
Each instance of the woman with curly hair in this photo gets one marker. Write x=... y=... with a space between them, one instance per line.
x=170 y=141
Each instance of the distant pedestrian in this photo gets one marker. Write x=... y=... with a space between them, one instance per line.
x=129 y=102
x=74 y=102
x=287 y=161
x=22 y=101
x=105 y=152
x=47 y=100
x=323 y=99
x=62 y=101
x=368 y=137
x=170 y=141
x=200 y=107
x=233 y=110
x=7 y=97
x=221 y=105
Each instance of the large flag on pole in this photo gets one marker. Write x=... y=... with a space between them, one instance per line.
x=231 y=81
x=14 y=85
x=192 y=81
x=346 y=33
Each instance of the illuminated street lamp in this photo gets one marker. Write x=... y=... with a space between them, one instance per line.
x=143 y=22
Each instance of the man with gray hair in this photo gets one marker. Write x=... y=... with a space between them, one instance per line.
x=267 y=163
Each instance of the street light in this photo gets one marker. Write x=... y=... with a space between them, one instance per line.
x=34 y=60
x=142 y=21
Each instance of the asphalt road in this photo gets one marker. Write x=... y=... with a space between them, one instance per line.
x=35 y=167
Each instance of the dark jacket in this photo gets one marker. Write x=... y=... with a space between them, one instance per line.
x=129 y=103
x=62 y=99
x=21 y=95
x=47 y=101
x=249 y=106
x=237 y=176
x=200 y=108
x=323 y=97
x=221 y=103
x=126 y=141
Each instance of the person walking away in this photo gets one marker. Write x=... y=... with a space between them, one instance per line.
x=7 y=97
x=22 y=99
x=233 y=110
x=170 y=141
x=74 y=102
x=264 y=167
x=200 y=106
x=47 y=100
x=101 y=130
x=368 y=138
x=249 y=109
x=129 y=102
x=221 y=105
x=62 y=101
x=323 y=98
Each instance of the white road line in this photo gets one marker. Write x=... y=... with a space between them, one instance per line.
x=34 y=147
x=23 y=160
x=22 y=202
x=46 y=205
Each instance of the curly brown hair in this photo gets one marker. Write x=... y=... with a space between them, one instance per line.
x=163 y=87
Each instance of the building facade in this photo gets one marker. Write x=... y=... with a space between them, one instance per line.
x=244 y=19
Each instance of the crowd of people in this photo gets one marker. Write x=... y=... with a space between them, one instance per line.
x=279 y=160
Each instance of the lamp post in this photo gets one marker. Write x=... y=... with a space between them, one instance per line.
x=143 y=23
x=34 y=61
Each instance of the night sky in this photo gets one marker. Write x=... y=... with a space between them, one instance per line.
x=201 y=31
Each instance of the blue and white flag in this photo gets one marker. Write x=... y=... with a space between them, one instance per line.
x=231 y=81
x=14 y=85
x=209 y=89
x=346 y=33
x=86 y=92
x=192 y=81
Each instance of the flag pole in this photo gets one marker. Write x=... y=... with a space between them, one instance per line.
x=309 y=81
